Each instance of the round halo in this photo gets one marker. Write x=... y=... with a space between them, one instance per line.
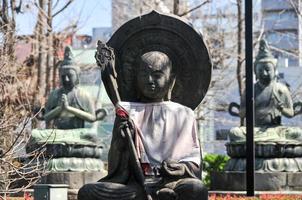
x=173 y=36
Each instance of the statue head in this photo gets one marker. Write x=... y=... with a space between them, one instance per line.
x=154 y=77
x=265 y=64
x=68 y=71
x=68 y=56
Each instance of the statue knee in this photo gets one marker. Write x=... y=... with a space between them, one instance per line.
x=166 y=194
x=106 y=191
x=85 y=192
x=236 y=133
x=191 y=189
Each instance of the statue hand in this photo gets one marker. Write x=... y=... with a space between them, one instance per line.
x=123 y=124
x=298 y=107
x=171 y=168
x=64 y=102
x=280 y=106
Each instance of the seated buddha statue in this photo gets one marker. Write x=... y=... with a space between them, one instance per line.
x=168 y=145
x=277 y=147
x=272 y=101
x=72 y=144
x=69 y=106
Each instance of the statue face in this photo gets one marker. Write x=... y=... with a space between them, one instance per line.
x=153 y=81
x=69 y=78
x=265 y=72
x=67 y=52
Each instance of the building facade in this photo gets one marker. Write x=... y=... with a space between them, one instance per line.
x=282 y=29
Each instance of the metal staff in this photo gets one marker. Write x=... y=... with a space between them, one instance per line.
x=105 y=59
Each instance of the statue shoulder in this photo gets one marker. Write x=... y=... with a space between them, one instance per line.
x=281 y=88
x=181 y=109
x=82 y=93
x=54 y=94
x=84 y=98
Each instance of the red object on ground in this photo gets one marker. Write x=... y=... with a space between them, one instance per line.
x=27 y=196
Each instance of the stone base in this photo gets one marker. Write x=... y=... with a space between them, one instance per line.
x=72 y=194
x=75 y=180
x=264 y=181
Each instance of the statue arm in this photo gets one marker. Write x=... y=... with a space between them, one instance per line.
x=288 y=112
x=242 y=110
x=52 y=110
x=88 y=114
x=287 y=108
x=53 y=113
x=192 y=170
x=81 y=114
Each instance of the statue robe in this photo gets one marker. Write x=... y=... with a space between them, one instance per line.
x=266 y=103
x=167 y=131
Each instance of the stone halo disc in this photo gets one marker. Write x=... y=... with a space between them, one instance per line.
x=173 y=36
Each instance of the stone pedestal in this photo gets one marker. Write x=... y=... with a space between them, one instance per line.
x=264 y=181
x=75 y=180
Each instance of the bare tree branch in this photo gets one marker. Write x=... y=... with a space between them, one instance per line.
x=195 y=8
x=63 y=8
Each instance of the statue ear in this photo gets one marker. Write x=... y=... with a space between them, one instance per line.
x=171 y=85
x=276 y=71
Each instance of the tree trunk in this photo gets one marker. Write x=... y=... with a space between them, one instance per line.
x=41 y=62
x=176 y=7
x=50 y=53
x=55 y=61
x=8 y=26
x=239 y=52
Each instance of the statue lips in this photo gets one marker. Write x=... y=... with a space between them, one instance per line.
x=152 y=88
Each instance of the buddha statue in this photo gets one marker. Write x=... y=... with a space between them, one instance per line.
x=272 y=102
x=164 y=132
x=70 y=136
x=69 y=106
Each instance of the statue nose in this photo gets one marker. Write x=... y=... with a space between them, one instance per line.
x=151 y=80
x=265 y=73
x=66 y=78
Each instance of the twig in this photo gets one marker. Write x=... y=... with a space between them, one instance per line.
x=195 y=8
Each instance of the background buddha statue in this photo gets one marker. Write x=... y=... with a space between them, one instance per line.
x=72 y=145
x=69 y=106
x=276 y=145
x=272 y=101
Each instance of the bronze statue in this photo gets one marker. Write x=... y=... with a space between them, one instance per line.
x=68 y=140
x=277 y=147
x=272 y=99
x=154 y=152
x=69 y=106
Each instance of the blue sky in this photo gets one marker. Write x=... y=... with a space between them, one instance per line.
x=90 y=13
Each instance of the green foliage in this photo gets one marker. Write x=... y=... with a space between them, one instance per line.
x=213 y=163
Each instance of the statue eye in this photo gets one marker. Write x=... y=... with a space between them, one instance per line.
x=157 y=75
